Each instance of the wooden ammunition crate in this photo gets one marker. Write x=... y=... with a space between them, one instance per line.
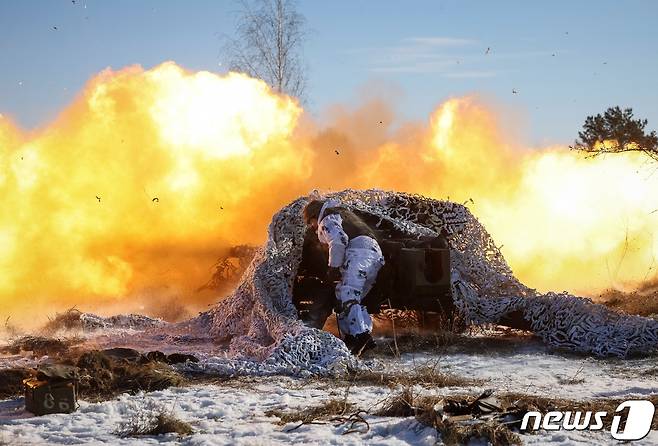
x=46 y=397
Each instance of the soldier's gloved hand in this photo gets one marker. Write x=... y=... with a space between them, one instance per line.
x=333 y=275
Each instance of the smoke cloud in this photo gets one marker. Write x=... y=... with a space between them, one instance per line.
x=128 y=197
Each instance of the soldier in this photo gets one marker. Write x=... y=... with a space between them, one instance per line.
x=355 y=258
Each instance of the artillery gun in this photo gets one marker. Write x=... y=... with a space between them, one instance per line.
x=416 y=276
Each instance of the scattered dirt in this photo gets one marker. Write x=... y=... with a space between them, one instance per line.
x=394 y=321
x=40 y=345
x=103 y=377
x=11 y=381
x=642 y=301
x=407 y=403
x=448 y=342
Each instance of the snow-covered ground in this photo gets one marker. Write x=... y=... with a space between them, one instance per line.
x=235 y=414
x=234 y=411
x=539 y=373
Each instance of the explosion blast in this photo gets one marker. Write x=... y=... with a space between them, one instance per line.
x=132 y=193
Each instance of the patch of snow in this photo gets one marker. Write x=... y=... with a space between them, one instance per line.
x=235 y=413
x=219 y=415
x=543 y=374
x=91 y=322
x=20 y=361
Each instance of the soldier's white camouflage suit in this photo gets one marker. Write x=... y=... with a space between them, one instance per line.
x=359 y=260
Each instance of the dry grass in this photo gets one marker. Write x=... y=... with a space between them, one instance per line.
x=306 y=415
x=414 y=342
x=166 y=424
x=405 y=321
x=443 y=342
x=406 y=403
x=493 y=433
x=11 y=381
x=161 y=424
x=40 y=345
x=67 y=320
x=576 y=378
x=402 y=404
x=103 y=377
x=427 y=375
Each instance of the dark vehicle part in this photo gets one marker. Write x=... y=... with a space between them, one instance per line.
x=357 y=344
x=416 y=276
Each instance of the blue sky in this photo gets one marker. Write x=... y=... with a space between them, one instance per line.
x=565 y=59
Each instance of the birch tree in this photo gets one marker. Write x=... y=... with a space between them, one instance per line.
x=268 y=45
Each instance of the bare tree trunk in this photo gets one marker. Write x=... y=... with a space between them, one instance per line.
x=270 y=35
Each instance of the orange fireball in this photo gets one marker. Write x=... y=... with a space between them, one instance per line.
x=132 y=193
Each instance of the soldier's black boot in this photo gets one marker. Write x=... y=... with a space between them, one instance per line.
x=357 y=344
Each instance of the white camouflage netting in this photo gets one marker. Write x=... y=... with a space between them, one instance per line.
x=259 y=319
